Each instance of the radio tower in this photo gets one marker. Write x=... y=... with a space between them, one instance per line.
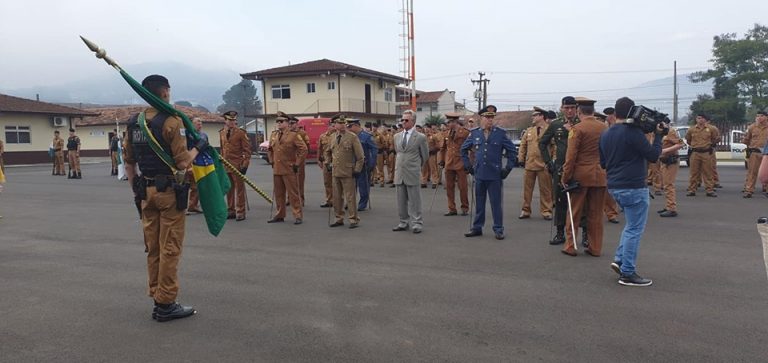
x=408 y=58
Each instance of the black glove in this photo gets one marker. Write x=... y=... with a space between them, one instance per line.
x=243 y=170
x=201 y=144
x=441 y=164
x=470 y=170
x=329 y=168
x=521 y=164
x=551 y=167
x=355 y=175
x=295 y=169
x=505 y=173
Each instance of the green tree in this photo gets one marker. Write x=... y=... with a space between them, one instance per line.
x=739 y=74
x=242 y=98
x=436 y=119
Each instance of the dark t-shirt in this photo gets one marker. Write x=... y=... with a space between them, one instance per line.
x=624 y=153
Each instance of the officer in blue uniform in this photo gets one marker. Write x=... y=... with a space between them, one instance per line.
x=371 y=152
x=490 y=144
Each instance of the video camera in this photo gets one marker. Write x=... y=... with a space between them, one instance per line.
x=647 y=119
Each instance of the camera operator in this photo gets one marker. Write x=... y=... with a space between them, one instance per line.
x=624 y=153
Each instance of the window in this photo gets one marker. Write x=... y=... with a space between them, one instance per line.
x=388 y=94
x=282 y=91
x=310 y=88
x=433 y=108
x=418 y=109
x=332 y=85
x=17 y=135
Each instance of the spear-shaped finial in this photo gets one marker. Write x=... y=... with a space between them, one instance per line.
x=100 y=53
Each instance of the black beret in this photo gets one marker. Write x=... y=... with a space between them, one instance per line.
x=156 y=79
x=568 y=100
x=763 y=112
x=609 y=111
x=551 y=115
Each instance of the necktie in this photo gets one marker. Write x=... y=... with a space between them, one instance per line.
x=229 y=131
x=338 y=139
x=279 y=135
x=452 y=134
x=405 y=139
x=538 y=130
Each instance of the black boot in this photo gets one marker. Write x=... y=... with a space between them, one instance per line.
x=69 y=176
x=559 y=237
x=166 y=312
x=584 y=240
x=79 y=175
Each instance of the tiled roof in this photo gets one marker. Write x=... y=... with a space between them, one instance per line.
x=511 y=120
x=320 y=66
x=108 y=115
x=429 y=97
x=23 y=105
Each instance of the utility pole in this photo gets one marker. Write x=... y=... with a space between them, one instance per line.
x=482 y=93
x=674 y=95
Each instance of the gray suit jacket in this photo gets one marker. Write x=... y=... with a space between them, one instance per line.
x=408 y=161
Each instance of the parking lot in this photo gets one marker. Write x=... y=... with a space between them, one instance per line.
x=72 y=285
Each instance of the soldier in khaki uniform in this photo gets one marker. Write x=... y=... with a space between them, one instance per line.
x=610 y=209
x=58 y=154
x=293 y=122
x=235 y=148
x=582 y=164
x=323 y=143
x=391 y=156
x=380 y=138
x=429 y=170
x=529 y=156
x=345 y=159
x=73 y=155
x=286 y=152
x=450 y=153
x=653 y=178
x=702 y=139
x=713 y=156
x=755 y=139
x=670 y=163
x=162 y=220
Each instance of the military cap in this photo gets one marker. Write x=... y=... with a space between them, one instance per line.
x=609 y=111
x=293 y=119
x=551 y=115
x=419 y=127
x=600 y=116
x=488 y=111
x=583 y=101
x=450 y=116
x=763 y=112
x=230 y=115
x=71 y=130
x=282 y=116
x=338 y=118
x=568 y=101
x=353 y=121
x=539 y=111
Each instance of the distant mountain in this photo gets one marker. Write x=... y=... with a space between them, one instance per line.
x=200 y=87
x=658 y=93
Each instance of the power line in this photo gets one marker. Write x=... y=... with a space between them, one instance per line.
x=589 y=91
x=562 y=72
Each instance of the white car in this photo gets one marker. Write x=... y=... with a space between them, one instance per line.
x=683 y=152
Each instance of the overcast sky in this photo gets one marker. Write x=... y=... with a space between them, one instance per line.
x=519 y=44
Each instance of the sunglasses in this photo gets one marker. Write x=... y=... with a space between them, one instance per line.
x=405 y=119
x=280 y=121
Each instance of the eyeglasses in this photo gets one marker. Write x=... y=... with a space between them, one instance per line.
x=280 y=121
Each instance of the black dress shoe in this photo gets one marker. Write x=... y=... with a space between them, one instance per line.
x=166 y=312
x=669 y=213
x=354 y=225
x=400 y=228
x=614 y=221
x=464 y=213
x=524 y=216
x=326 y=205
x=547 y=218
x=712 y=194
x=661 y=211
x=392 y=186
x=297 y=221
x=240 y=218
x=423 y=185
x=336 y=224
x=499 y=236
x=450 y=214
x=230 y=216
x=559 y=239
x=276 y=220
x=690 y=194
x=473 y=233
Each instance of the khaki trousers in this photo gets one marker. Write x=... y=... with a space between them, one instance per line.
x=287 y=185
x=611 y=209
x=391 y=167
x=594 y=218
x=163 y=238
x=429 y=170
x=58 y=162
x=345 y=189
x=701 y=169
x=74 y=160
x=302 y=177
x=194 y=197
x=715 y=175
x=328 y=184
x=753 y=165
x=545 y=191
x=668 y=177
x=236 y=196
x=654 y=176
x=113 y=156
x=453 y=177
x=379 y=177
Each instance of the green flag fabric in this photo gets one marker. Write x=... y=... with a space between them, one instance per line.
x=211 y=178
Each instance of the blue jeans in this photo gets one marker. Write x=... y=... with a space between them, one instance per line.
x=635 y=204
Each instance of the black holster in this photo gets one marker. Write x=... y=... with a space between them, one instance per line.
x=139 y=187
x=162 y=182
x=182 y=195
x=669 y=160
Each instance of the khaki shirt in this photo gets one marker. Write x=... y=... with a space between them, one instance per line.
x=323 y=143
x=172 y=134
x=345 y=155
x=286 y=149
x=451 y=148
x=529 y=152
x=702 y=137
x=582 y=159
x=756 y=136
x=235 y=146
x=670 y=139
x=58 y=144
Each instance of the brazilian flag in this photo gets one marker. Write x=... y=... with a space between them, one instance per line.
x=211 y=178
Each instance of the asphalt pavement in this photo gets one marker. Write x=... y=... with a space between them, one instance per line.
x=73 y=283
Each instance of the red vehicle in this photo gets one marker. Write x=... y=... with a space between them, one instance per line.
x=314 y=127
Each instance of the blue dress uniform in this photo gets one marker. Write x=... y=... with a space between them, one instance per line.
x=488 y=173
x=363 y=179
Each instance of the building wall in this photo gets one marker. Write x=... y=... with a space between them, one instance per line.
x=446 y=103
x=351 y=90
x=96 y=137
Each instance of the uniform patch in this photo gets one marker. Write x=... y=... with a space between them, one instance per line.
x=183 y=131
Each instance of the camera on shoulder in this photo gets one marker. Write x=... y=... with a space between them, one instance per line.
x=648 y=120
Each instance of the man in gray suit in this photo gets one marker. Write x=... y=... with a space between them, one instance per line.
x=411 y=154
